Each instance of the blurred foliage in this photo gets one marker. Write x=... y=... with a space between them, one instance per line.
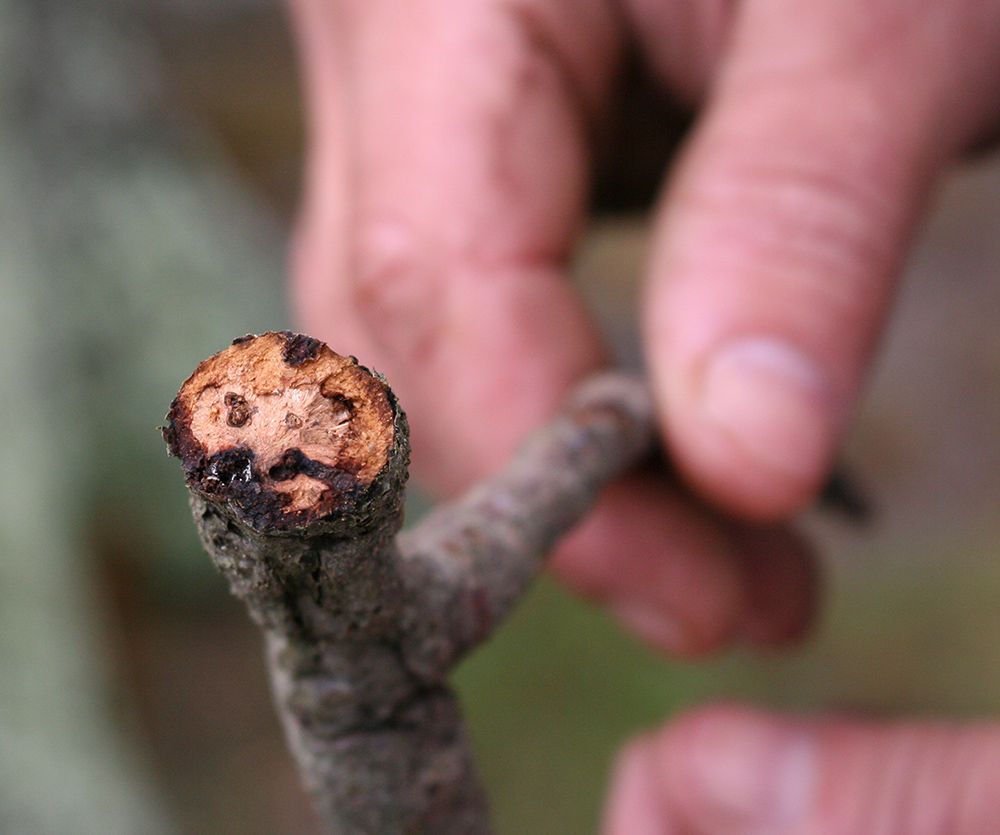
x=120 y=259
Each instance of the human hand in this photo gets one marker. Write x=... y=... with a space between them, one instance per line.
x=449 y=153
x=725 y=770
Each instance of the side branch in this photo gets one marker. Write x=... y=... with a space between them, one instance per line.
x=470 y=560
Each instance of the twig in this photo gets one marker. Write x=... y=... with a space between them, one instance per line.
x=296 y=460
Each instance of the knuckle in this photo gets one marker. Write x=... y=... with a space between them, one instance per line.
x=819 y=215
x=927 y=779
x=933 y=768
x=822 y=237
x=398 y=288
x=974 y=806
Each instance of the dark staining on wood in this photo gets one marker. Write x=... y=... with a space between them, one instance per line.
x=239 y=412
x=289 y=465
x=180 y=442
x=228 y=473
x=299 y=348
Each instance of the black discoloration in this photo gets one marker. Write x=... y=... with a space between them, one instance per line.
x=180 y=442
x=299 y=348
x=229 y=474
x=241 y=339
x=240 y=412
x=233 y=477
x=291 y=464
x=294 y=463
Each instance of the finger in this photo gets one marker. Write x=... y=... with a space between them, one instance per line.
x=414 y=255
x=446 y=184
x=727 y=769
x=635 y=800
x=684 y=579
x=780 y=239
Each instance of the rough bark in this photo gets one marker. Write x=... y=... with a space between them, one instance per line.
x=362 y=626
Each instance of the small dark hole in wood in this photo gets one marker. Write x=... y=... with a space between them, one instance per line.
x=290 y=465
x=240 y=412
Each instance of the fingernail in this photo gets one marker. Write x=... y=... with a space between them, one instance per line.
x=773 y=403
x=753 y=776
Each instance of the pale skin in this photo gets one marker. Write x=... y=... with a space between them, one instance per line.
x=450 y=146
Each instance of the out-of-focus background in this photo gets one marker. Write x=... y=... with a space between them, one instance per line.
x=149 y=158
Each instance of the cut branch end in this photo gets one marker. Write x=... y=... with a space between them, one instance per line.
x=284 y=433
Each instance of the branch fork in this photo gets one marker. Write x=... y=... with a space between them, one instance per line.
x=296 y=460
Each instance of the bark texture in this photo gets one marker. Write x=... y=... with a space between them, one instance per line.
x=361 y=626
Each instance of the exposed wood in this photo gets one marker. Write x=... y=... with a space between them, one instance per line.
x=283 y=430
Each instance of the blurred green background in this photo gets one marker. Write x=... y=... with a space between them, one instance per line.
x=149 y=156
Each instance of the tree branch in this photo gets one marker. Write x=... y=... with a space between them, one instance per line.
x=470 y=560
x=296 y=460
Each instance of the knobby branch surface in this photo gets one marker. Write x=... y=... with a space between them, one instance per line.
x=296 y=459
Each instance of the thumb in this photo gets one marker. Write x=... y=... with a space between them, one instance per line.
x=780 y=238
x=722 y=770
